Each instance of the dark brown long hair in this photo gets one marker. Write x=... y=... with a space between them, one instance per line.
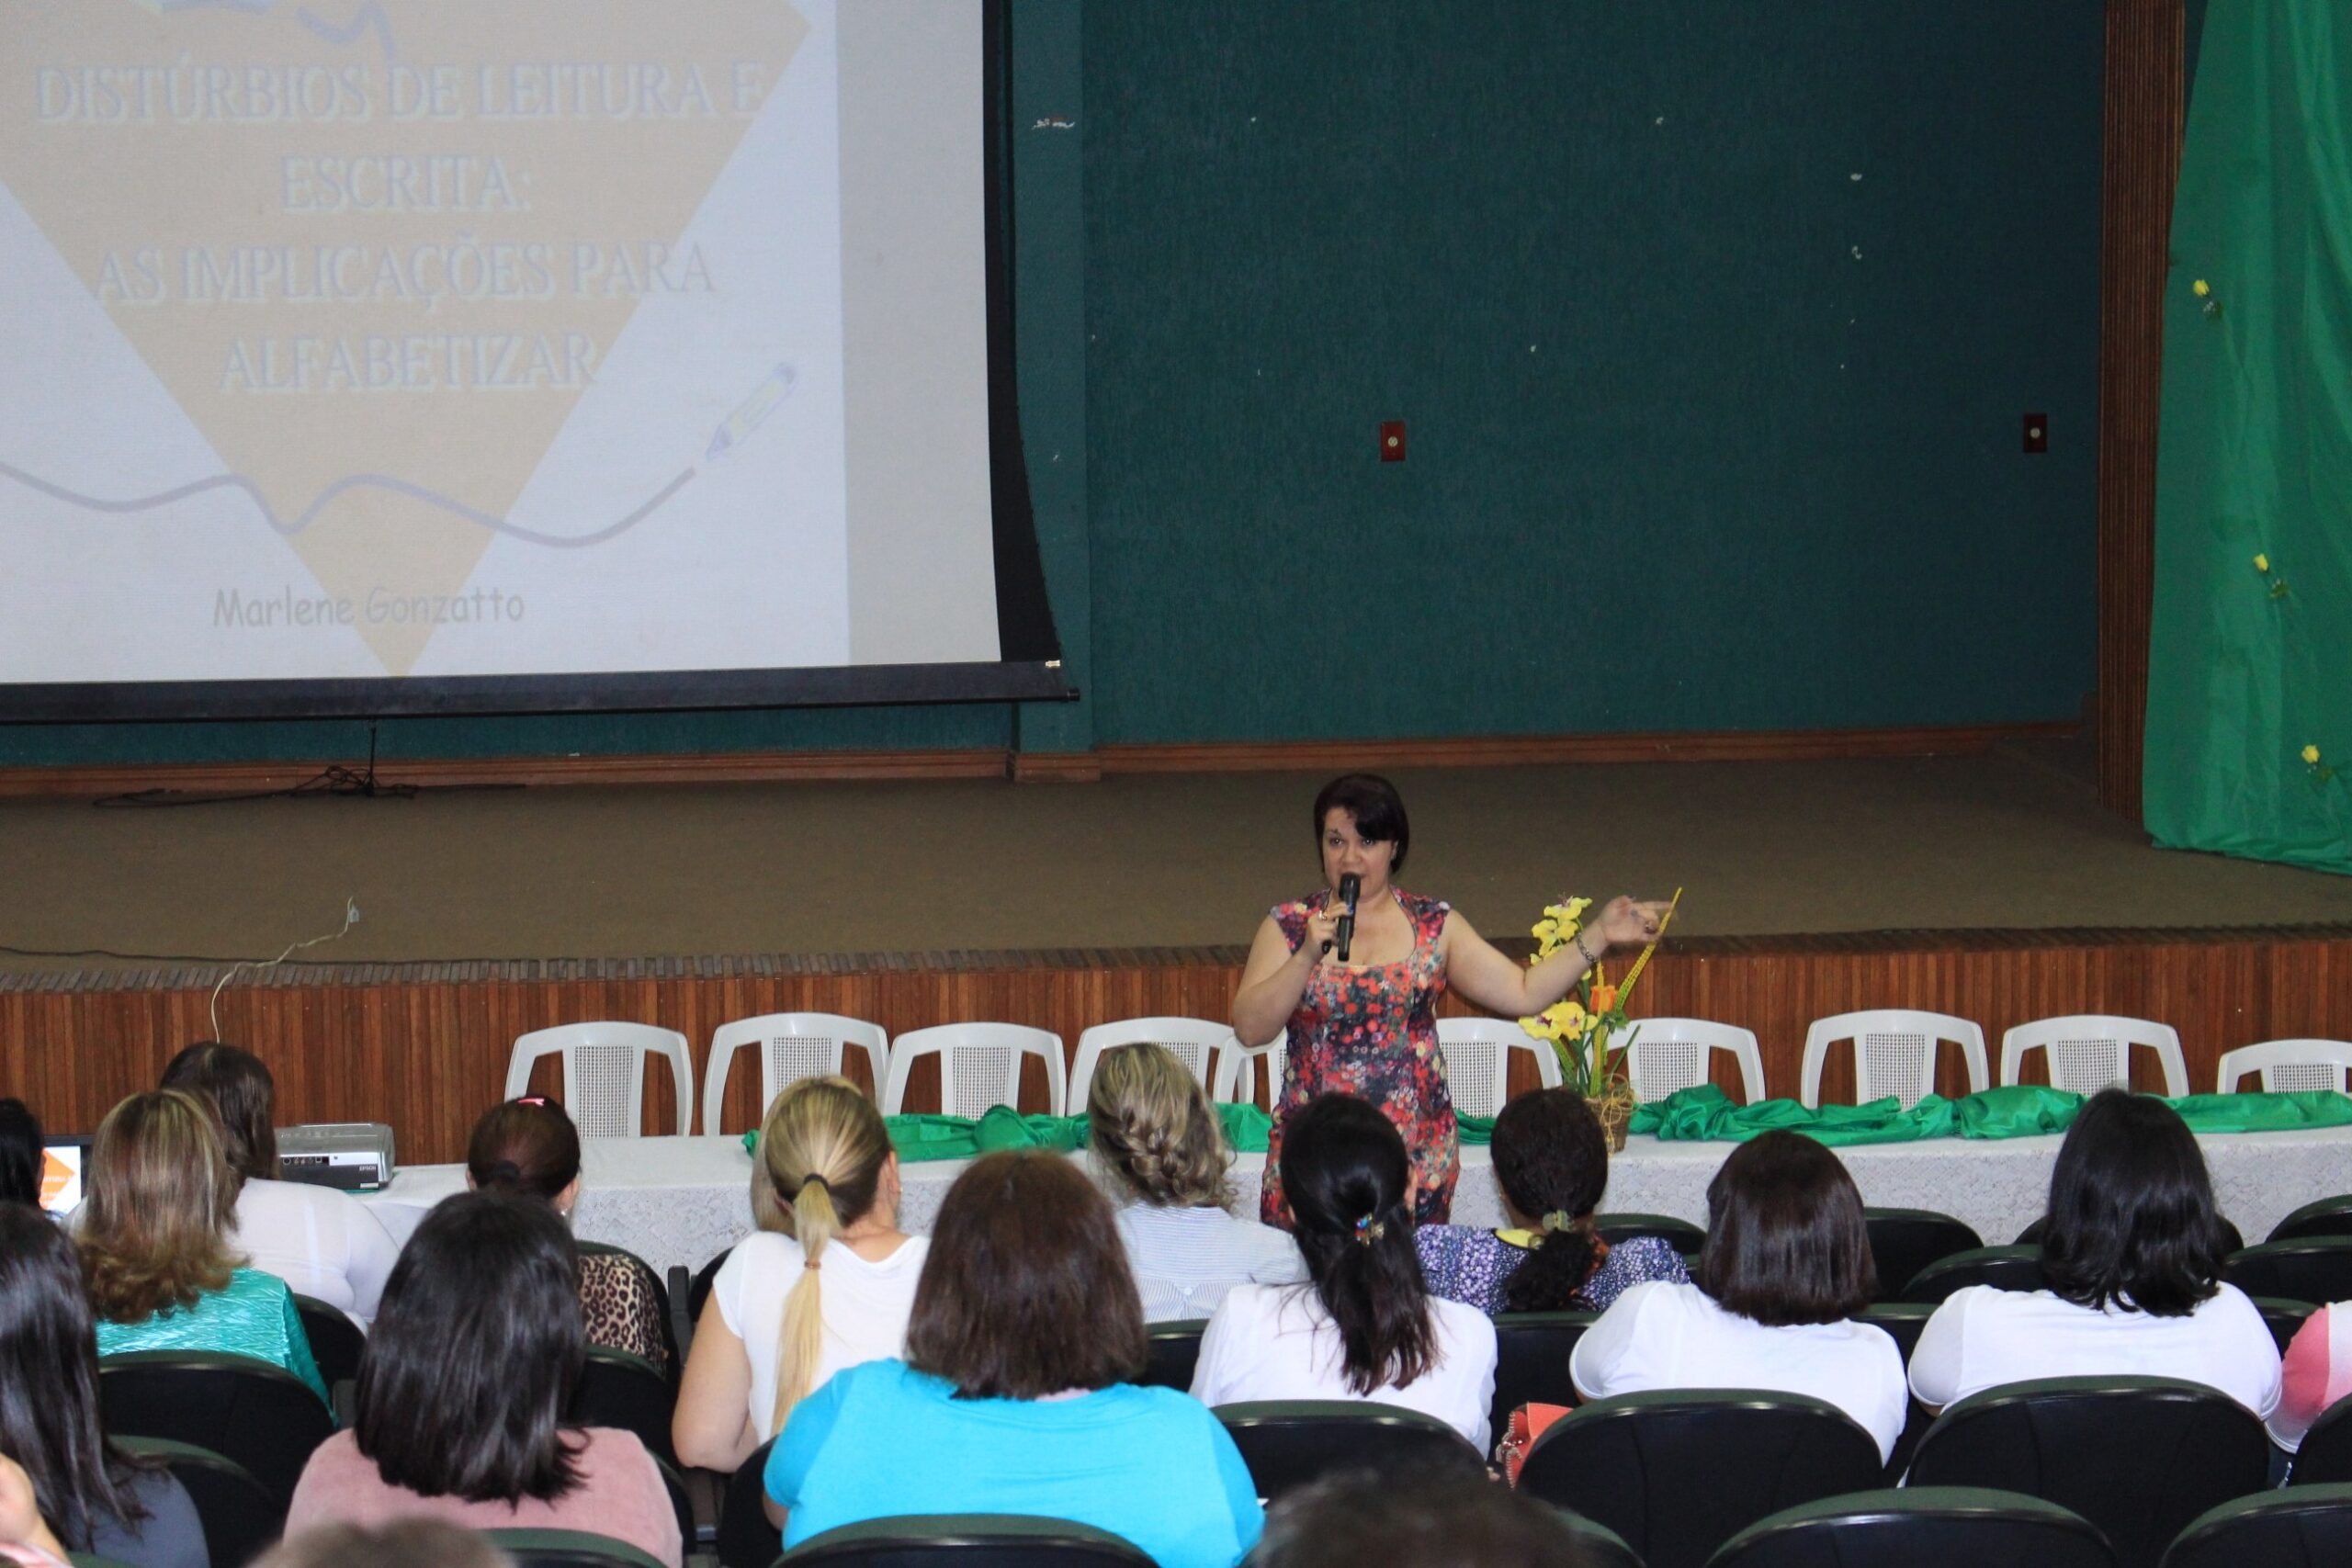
x=244 y=1095
x=1786 y=1240
x=1026 y=1290
x=1345 y=1173
x=528 y=1146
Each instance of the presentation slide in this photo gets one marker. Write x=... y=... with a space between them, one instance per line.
x=391 y=339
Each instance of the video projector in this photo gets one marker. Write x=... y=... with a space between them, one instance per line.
x=354 y=1156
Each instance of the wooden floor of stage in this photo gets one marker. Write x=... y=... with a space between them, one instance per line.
x=1987 y=885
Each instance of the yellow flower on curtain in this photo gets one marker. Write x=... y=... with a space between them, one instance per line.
x=2262 y=563
x=2311 y=755
x=2200 y=288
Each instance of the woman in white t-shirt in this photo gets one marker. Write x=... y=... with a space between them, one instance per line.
x=1363 y=1327
x=2132 y=1252
x=1158 y=1144
x=787 y=1311
x=1770 y=1300
x=324 y=1243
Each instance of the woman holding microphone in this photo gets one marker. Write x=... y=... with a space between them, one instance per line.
x=1356 y=983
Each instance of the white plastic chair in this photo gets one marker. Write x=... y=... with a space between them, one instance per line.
x=979 y=1066
x=792 y=1045
x=604 y=1073
x=2089 y=1052
x=1238 y=1066
x=1194 y=1042
x=2288 y=1066
x=1478 y=1061
x=1670 y=1054
x=1895 y=1053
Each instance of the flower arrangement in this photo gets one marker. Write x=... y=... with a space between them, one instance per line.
x=1585 y=1027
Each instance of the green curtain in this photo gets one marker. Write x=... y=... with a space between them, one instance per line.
x=2250 y=660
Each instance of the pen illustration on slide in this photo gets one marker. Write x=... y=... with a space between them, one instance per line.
x=336 y=322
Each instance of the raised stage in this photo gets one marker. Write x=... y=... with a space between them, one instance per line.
x=1988 y=885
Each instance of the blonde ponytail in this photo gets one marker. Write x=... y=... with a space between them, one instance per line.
x=823 y=1146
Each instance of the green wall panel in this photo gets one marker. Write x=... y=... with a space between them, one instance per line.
x=1679 y=457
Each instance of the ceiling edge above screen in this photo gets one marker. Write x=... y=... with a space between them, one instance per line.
x=1029 y=669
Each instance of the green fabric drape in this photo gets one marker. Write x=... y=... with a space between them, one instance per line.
x=2022 y=1111
x=922 y=1137
x=2247 y=664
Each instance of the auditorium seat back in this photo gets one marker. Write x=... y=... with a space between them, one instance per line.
x=2303 y=1526
x=2320 y=1216
x=336 y=1342
x=1681 y=1234
x=1532 y=1350
x=1677 y=1472
x=746 y=1539
x=2138 y=1457
x=1288 y=1442
x=568 y=1549
x=1171 y=1352
x=966 y=1541
x=1920 y=1526
x=1905 y=1241
x=617 y=1389
x=241 y=1518
x=2004 y=1268
x=2315 y=1269
x=252 y=1412
x=2325 y=1456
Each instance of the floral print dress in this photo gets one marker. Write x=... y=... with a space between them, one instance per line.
x=1371 y=1031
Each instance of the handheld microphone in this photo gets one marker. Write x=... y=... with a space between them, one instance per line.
x=1350 y=885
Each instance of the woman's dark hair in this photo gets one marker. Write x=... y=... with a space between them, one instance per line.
x=474 y=1354
x=1378 y=809
x=1552 y=1160
x=20 y=1143
x=238 y=1084
x=528 y=1146
x=1345 y=1174
x=2131 y=1217
x=1786 y=1242
x=1026 y=1290
x=48 y=1381
x=1415 y=1520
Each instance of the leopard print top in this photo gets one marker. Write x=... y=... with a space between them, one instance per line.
x=618 y=1307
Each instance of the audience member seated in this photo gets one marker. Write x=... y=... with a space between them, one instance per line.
x=21 y=1158
x=24 y=1538
x=1552 y=1163
x=461 y=1397
x=1448 y=1521
x=788 y=1311
x=1161 y=1151
x=1363 y=1327
x=1013 y=1396
x=91 y=1497
x=2316 y=1373
x=2132 y=1255
x=323 y=1243
x=155 y=1249
x=528 y=1147
x=1770 y=1300
x=404 y=1544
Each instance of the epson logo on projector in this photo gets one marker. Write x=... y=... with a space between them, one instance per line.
x=380 y=607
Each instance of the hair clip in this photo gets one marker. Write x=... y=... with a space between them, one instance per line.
x=541 y=1101
x=1558 y=1220
x=1368 y=1230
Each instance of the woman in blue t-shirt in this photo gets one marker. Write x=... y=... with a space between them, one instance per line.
x=1013 y=1396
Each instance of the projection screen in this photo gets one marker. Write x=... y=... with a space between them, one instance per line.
x=437 y=355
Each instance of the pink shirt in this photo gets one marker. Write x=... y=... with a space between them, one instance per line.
x=2318 y=1372
x=620 y=1495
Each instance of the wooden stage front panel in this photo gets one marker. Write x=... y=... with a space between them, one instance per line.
x=424 y=1046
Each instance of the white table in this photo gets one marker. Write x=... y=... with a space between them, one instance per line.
x=684 y=1200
